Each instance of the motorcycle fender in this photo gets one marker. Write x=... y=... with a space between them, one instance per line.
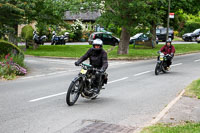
x=76 y=78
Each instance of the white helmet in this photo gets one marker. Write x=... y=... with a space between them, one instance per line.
x=54 y=33
x=97 y=42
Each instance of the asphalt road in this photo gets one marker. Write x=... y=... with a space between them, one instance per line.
x=133 y=97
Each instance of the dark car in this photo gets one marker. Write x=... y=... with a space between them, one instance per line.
x=140 y=37
x=162 y=32
x=191 y=36
x=106 y=37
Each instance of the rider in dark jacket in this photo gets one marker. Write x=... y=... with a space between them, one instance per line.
x=168 y=48
x=98 y=59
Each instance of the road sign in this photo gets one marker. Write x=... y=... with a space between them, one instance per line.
x=171 y=15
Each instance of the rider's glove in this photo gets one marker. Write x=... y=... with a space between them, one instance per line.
x=172 y=54
x=101 y=70
x=76 y=63
x=159 y=52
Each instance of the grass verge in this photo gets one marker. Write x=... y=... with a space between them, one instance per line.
x=193 y=90
x=170 y=128
x=140 y=52
x=74 y=51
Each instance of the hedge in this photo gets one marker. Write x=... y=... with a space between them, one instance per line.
x=189 y=27
x=7 y=47
x=27 y=32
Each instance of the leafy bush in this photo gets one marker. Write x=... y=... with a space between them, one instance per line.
x=76 y=29
x=86 y=35
x=189 y=26
x=27 y=32
x=176 y=33
x=7 y=47
x=9 y=69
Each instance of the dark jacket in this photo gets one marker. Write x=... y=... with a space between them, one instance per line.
x=168 y=50
x=97 y=58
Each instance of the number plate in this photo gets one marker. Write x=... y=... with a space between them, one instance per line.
x=83 y=71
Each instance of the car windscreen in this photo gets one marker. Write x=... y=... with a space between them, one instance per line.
x=157 y=31
x=197 y=31
x=164 y=31
x=137 y=35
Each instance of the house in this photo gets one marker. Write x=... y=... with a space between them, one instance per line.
x=88 y=18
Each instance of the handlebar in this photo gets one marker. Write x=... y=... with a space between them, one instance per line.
x=88 y=67
x=159 y=52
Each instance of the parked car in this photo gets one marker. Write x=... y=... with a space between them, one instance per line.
x=140 y=37
x=106 y=37
x=162 y=32
x=198 y=39
x=191 y=36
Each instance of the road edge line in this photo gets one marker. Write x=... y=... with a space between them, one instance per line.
x=162 y=113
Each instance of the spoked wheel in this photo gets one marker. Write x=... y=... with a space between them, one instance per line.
x=164 y=70
x=157 y=69
x=73 y=92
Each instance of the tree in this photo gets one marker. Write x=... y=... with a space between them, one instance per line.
x=128 y=15
x=15 y=12
x=10 y=15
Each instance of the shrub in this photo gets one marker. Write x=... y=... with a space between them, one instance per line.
x=190 y=26
x=86 y=35
x=7 y=47
x=9 y=69
x=176 y=33
x=76 y=28
x=27 y=32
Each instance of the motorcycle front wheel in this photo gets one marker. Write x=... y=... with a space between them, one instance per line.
x=73 y=92
x=157 y=69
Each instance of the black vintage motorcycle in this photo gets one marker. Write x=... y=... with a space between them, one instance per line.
x=161 y=65
x=83 y=84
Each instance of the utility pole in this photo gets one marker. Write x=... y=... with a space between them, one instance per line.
x=167 y=35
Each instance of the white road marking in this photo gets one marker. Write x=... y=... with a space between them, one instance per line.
x=142 y=73
x=62 y=93
x=42 y=98
x=117 y=80
x=197 y=60
x=49 y=74
x=177 y=64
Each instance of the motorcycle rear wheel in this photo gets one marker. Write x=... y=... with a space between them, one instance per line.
x=73 y=92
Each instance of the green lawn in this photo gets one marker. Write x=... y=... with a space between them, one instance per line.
x=134 y=53
x=193 y=90
x=60 y=50
x=169 y=128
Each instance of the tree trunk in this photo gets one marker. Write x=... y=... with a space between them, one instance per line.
x=124 y=42
x=153 y=33
x=13 y=36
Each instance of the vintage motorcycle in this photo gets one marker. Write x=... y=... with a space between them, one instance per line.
x=161 y=65
x=59 y=40
x=39 y=39
x=83 y=84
